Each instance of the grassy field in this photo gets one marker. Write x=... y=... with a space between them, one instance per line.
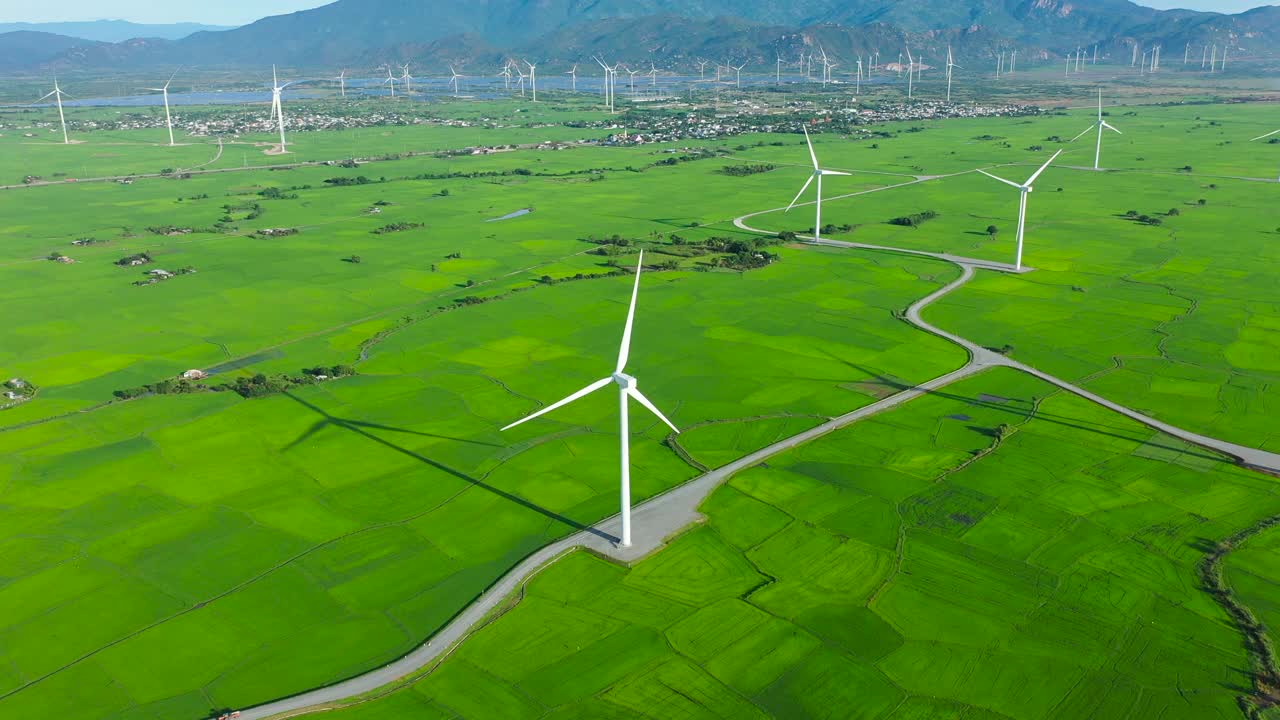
x=990 y=551
x=170 y=554
x=1175 y=319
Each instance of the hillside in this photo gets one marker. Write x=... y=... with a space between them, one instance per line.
x=350 y=32
x=111 y=31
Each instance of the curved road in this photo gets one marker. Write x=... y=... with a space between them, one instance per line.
x=662 y=516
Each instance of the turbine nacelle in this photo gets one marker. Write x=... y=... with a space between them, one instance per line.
x=624 y=381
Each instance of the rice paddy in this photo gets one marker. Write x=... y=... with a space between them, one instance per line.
x=992 y=550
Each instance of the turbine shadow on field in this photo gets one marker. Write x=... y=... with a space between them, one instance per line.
x=359 y=429
x=1027 y=411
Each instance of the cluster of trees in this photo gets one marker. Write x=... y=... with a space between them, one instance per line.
x=748 y=260
x=744 y=170
x=128 y=260
x=914 y=220
x=1145 y=219
x=169 y=230
x=257 y=385
x=453 y=256
x=346 y=182
x=833 y=229
x=274 y=193
x=253 y=209
x=396 y=227
x=473 y=300
x=89 y=241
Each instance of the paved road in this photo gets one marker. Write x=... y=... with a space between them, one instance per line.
x=657 y=519
x=653 y=522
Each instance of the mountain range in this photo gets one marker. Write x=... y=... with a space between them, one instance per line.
x=561 y=32
x=111 y=31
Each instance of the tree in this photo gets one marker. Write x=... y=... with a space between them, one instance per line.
x=1174 y=212
x=992 y=230
x=355 y=259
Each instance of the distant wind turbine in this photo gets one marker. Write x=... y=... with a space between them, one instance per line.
x=627 y=390
x=57 y=95
x=406 y=78
x=1100 y=125
x=533 y=79
x=391 y=80
x=168 y=120
x=1024 y=189
x=738 y=74
x=573 y=75
x=817 y=174
x=950 y=64
x=277 y=107
x=653 y=75
x=453 y=79
x=911 y=63
x=342 y=79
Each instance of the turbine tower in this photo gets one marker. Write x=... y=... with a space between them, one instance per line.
x=168 y=120
x=533 y=79
x=342 y=79
x=626 y=390
x=391 y=80
x=1100 y=125
x=911 y=63
x=1023 y=190
x=738 y=74
x=57 y=95
x=573 y=76
x=817 y=174
x=277 y=108
x=455 y=76
x=950 y=64
x=406 y=78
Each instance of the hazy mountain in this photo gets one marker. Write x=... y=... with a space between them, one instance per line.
x=27 y=48
x=351 y=32
x=112 y=30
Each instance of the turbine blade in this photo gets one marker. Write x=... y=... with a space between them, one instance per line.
x=1043 y=167
x=584 y=391
x=51 y=95
x=640 y=398
x=1085 y=131
x=1111 y=128
x=1260 y=137
x=625 y=348
x=1006 y=182
x=835 y=172
x=809 y=142
x=797 y=197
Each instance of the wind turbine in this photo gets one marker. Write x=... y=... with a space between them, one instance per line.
x=1100 y=125
x=777 y=72
x=608 y=85
x=168 y=120
x=342 y=78
x=57 y=94
x=533 y=79
x=911 y=63
x=626 y=390
x=391 y=80
x=1024 y=189
x=653 y=75
x=407 y=78
x=573 y=75
x=702 y=69
x=1013 y=61
x=453 y=80
x=632 y=73
x=858 y=88
x=277 y=108
x=818 y=172
x=1263 y=137
x=738 y=74
x=950 y=64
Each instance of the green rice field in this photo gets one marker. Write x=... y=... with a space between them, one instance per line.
x=992 y=550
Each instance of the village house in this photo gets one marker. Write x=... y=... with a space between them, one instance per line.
x=194 y=375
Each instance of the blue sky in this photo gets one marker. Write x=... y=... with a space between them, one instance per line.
x=239 y=12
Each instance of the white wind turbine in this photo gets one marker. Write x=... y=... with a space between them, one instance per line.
x=455 y=76
x=950 y=64
x=817 y=174
x=1100 y=125
x=168 y=120
x=533 y=79
x=632 y=73
x=406 y=78
x=57 y=95
x=1024 y=189
x=277 y=108
x=738 y=74
x=911 y=63
x=858 y=89
x=391 y=80
x=702 y=69
x=505 y=72
x=653 y=75
x=626 y=389
x=573 y=75
x=1263 y=137
x=777 y=71
x=342 y=79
